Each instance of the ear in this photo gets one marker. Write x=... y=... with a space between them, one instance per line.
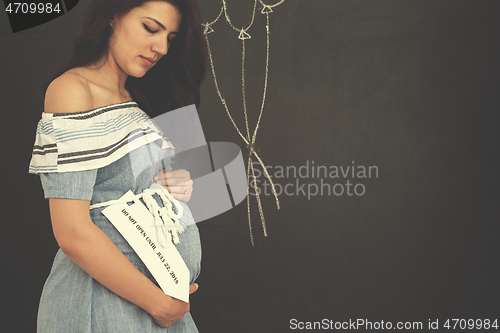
x=112 y=22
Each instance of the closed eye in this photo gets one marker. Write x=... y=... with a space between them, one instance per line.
x=149 y=30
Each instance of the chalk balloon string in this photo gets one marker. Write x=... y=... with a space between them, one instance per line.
x=248 y=138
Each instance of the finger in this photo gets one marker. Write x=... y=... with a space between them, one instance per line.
x=178 y=189
x=184 y=196
x=181 y=197
x=168 y=324
x=174 y=181
x=181 y=174
x=164 y=322
x=193 y=287
x=160 y=180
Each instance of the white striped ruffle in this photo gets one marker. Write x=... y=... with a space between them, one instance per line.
x=91 y=139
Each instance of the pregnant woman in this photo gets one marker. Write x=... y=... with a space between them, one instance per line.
x=132 y=60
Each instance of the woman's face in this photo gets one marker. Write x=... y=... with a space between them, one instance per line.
x=142 y=36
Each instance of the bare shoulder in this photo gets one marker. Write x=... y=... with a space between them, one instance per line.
x=69 y=92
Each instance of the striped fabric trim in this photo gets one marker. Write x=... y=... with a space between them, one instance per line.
x=47 y=149
x=95 y=112
x=91 y=139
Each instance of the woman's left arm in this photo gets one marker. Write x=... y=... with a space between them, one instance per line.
x=177 y=182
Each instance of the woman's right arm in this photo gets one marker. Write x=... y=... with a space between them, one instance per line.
x=91 y=249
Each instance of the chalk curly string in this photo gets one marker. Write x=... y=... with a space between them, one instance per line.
x=249 y=139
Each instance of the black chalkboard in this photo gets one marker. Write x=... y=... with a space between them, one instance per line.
x=403 y=93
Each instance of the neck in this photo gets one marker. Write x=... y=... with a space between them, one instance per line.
x=113 y=73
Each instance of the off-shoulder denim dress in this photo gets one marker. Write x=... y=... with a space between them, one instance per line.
x=72 y=301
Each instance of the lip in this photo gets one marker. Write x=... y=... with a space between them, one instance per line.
x=148 y=61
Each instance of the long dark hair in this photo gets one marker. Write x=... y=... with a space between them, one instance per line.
x=173 y=82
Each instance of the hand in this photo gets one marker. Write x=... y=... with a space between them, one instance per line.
x=172 y=309
x=177 y=182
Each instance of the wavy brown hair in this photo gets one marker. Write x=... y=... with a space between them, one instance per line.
x=173 y=82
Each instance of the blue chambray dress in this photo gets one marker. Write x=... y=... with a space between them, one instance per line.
x=72 y=301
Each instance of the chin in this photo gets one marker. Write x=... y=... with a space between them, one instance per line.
x=138 y=73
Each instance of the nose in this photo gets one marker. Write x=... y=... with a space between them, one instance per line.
x=161 y=46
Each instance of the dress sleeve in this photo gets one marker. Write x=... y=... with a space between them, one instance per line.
x=69 y=185
x=87 y=140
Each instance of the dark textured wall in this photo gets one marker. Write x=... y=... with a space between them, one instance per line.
x=407 y=86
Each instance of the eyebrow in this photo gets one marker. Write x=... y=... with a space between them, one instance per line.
x=161 y=25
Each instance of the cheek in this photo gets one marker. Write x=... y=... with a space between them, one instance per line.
x=130 y=39
x=134 y=39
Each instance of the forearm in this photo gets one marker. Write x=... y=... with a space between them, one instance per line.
x=91 y=249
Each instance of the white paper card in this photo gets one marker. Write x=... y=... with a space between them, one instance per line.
x=136 y=224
